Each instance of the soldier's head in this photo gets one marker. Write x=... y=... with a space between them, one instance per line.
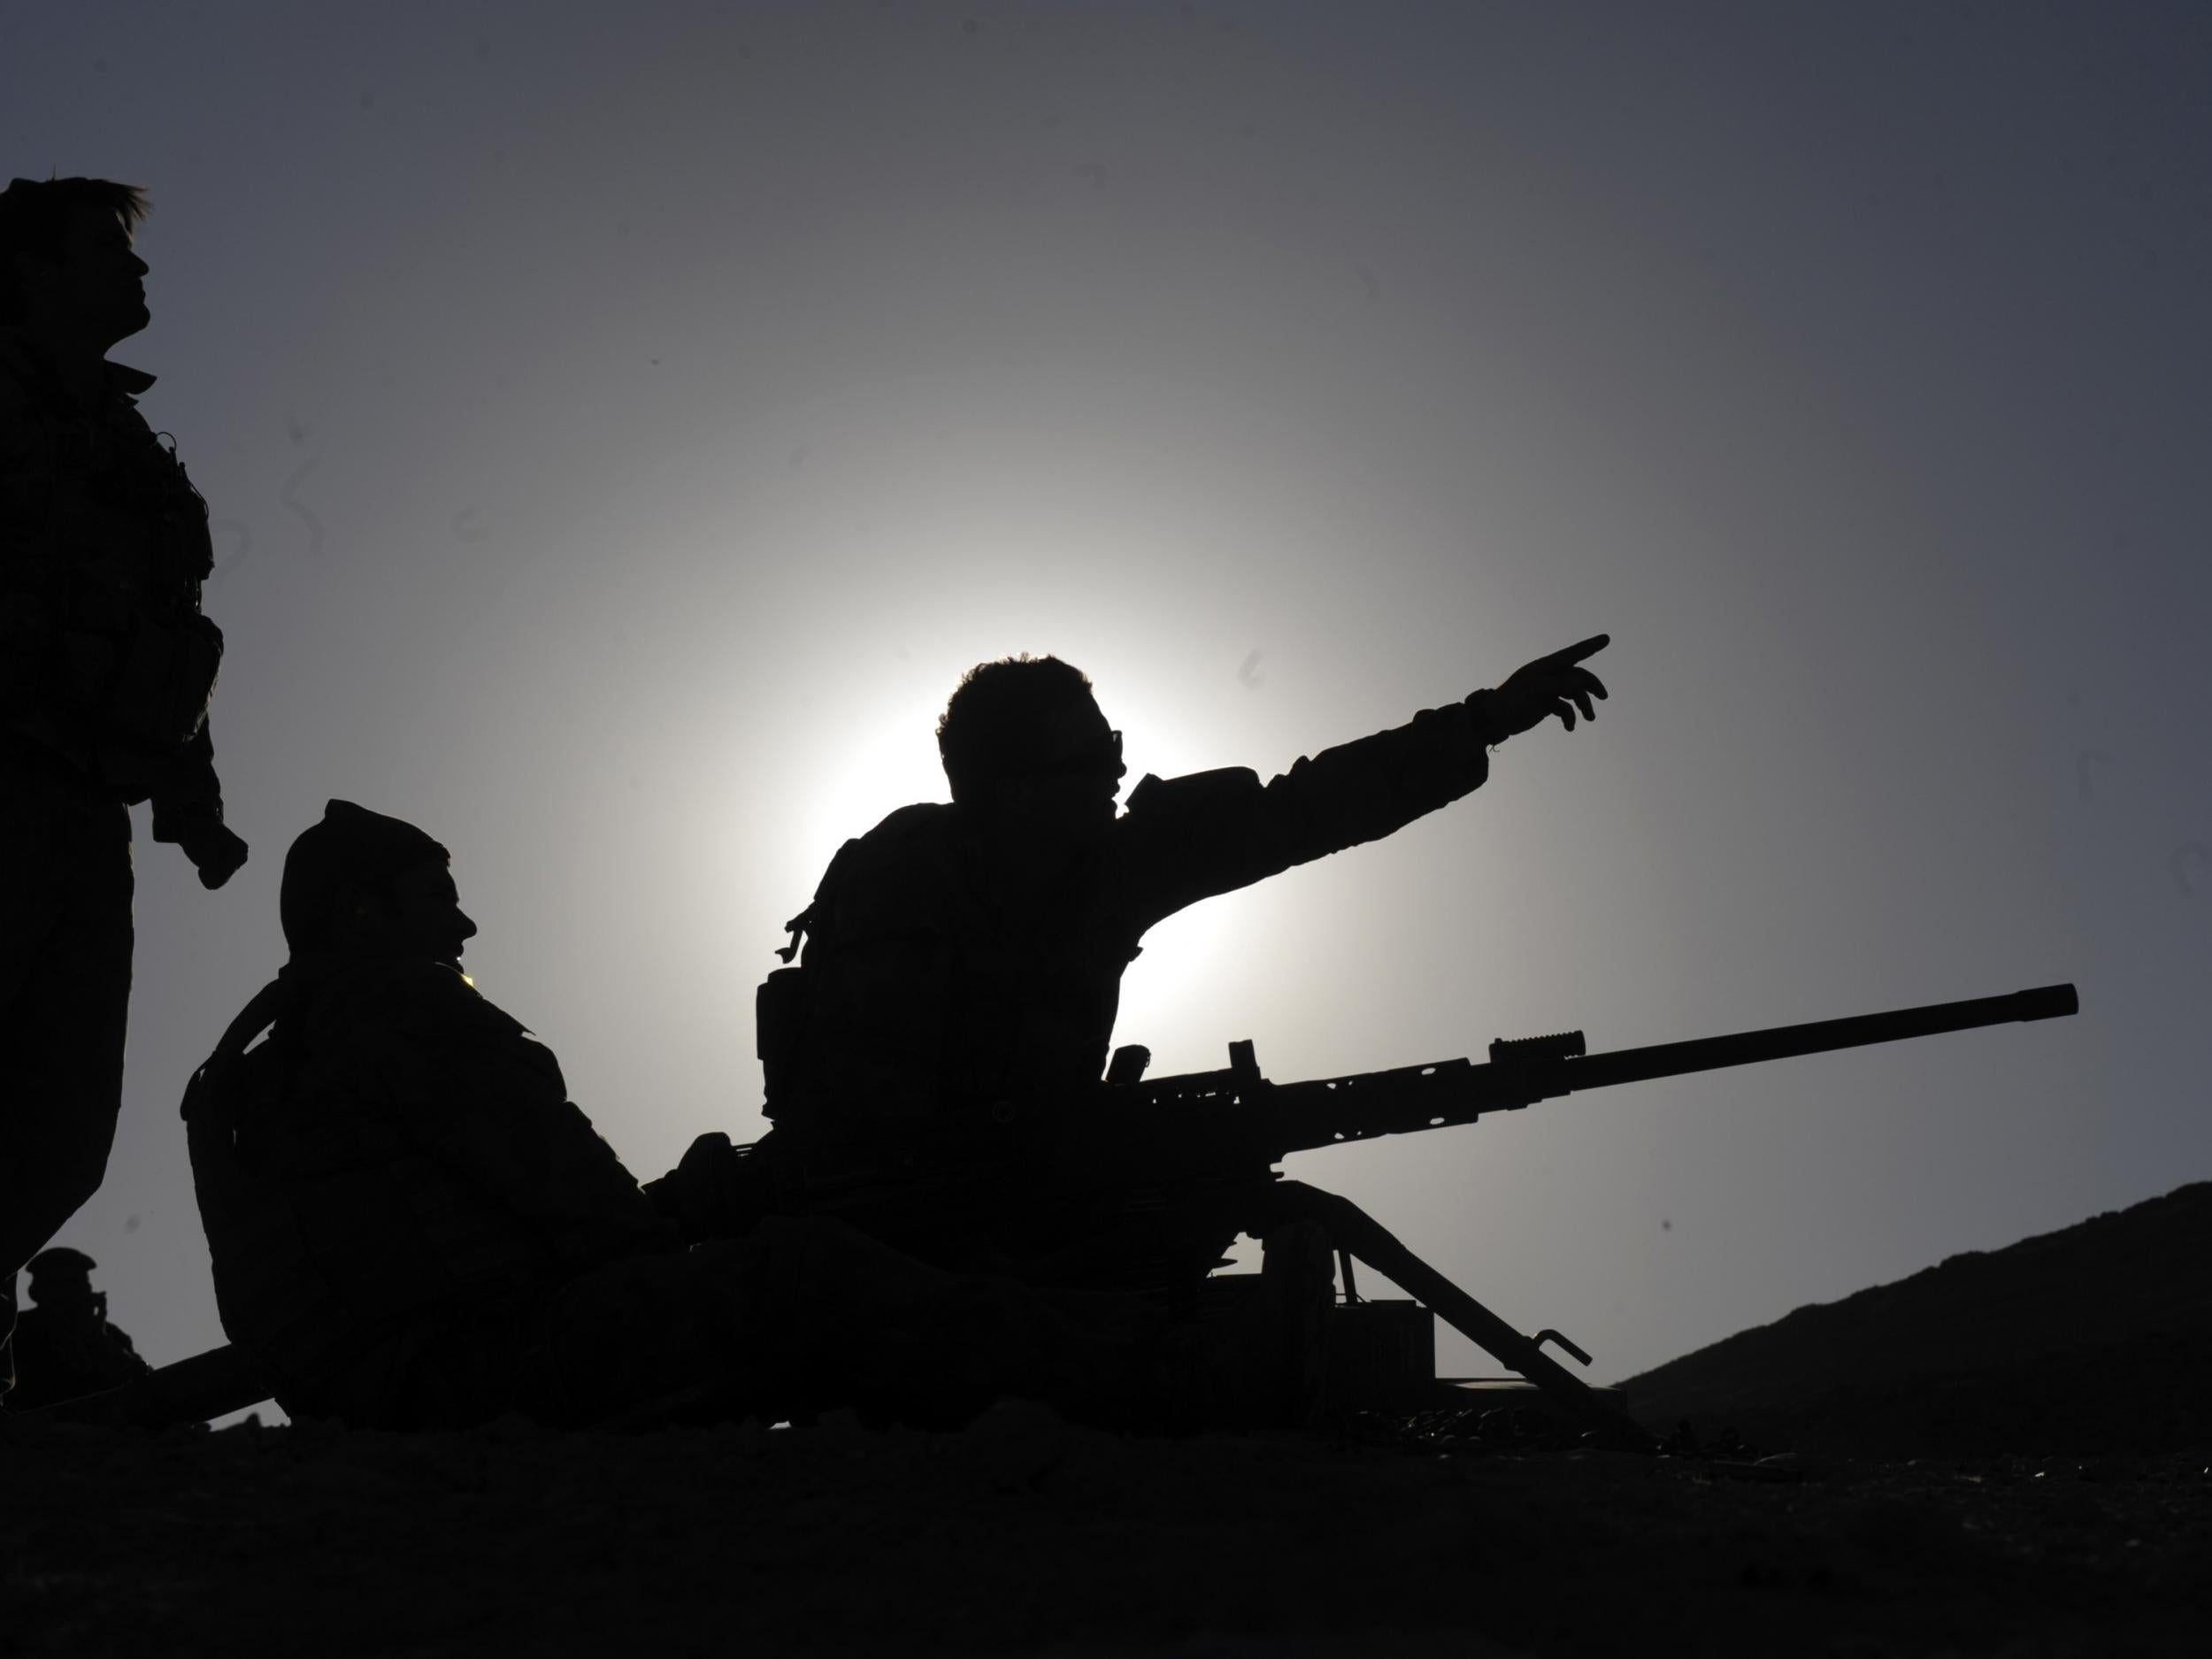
x=1023 y=738
x=361 y=884
x=61 y=1278
x=66 y=267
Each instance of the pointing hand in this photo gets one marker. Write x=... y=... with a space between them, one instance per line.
x=1550 y=685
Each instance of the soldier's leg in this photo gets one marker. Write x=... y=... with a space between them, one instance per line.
x=799 y=1317
x=806 y=1316
x=65 y=990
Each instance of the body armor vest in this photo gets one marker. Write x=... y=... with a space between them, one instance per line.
x=104 y=581
x=331 y=1231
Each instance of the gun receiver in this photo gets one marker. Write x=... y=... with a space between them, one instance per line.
x=1212 y=1136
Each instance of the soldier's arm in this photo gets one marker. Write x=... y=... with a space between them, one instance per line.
x=187 y=809
x=487 y=1098
x=1186 y=839
x=128 y=1352
x=1190 y=838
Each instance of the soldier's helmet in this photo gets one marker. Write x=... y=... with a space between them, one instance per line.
x=60 y=1274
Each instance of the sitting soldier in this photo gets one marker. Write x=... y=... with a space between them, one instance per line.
x=411 y=1226
x=959 y=973
x=64 y=1347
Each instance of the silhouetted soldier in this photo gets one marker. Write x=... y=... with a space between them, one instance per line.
x=412 y=1226
x=962 y=963
x=64 y=1344
x=106 y=666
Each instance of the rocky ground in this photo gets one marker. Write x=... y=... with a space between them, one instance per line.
x=1021 y=1535
x=2049 y=1521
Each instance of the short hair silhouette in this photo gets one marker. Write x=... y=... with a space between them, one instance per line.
x=350 y=847
x=991 y=726
x=35 y=215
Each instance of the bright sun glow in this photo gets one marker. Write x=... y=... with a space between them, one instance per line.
x=890 y=761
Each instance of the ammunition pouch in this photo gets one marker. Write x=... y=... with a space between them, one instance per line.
x=778 y=1034
x=126 y=653
x=149 y=680
x=147 y=487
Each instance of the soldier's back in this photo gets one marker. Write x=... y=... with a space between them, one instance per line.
x=403 y=1163
x=62 y=1354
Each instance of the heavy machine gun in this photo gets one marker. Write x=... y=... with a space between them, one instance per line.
x=1206 y=1144
x=1235 y=1116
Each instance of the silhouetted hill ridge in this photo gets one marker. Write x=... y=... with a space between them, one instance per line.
x=2085 y=1337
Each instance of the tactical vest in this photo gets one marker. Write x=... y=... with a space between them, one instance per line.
x=138 y=655
x=911 y=1015
x=117 y=554
x=275 y=1304
x=857 y=1014
x=328 y=1236
x=65 y=1354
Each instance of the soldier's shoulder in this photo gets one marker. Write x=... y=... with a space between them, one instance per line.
x=894 y=878
x=912 y=839
x=924 y=825
x=1157 y=798
x=415 y=998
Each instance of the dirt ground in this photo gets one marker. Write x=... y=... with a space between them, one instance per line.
x=2010 y=1452
x=1022 y=1535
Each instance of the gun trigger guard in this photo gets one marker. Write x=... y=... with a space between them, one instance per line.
x=1543 y=1337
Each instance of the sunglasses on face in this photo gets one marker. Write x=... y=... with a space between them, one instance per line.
x=1103 y=760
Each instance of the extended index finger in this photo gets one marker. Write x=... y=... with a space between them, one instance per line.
x=1575 y=653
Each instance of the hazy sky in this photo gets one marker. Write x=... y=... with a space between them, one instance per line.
x=625 y=423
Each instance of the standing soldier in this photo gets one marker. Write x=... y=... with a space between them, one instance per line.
x=106 y=666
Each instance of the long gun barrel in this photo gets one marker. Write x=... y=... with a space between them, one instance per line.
x=1275 y=1119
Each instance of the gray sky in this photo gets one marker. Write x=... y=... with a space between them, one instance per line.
x=625 y=423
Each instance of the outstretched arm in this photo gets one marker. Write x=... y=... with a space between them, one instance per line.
x=1186 y=839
